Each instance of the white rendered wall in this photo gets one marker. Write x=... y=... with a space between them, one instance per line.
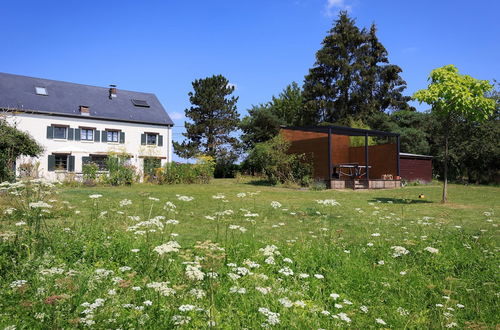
x=36 y=126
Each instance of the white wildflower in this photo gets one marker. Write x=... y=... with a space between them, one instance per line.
x=431 y=249
x=171 y=246
x=286 y=271
x=399 y=251
x=125 y=202
x=275 y=204
x=335 y=296
x=194 y=272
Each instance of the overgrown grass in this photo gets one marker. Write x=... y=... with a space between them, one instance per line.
x=94 y=262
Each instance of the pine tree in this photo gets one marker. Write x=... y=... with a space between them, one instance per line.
x=352 y=76
x=214 y=117
x=328 y=86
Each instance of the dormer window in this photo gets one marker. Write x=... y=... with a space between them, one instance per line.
x=140 y=103
x=41 y=91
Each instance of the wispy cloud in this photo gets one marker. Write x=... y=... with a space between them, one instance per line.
x=177 y=115
x=333 y=6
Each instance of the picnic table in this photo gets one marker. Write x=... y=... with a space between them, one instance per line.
x=351 y=170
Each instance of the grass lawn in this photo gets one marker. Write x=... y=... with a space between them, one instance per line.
x=235 y=255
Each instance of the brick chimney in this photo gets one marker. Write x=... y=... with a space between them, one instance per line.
x=84 y=110
x=112 y=91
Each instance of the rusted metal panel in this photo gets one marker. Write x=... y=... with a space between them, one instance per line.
x=413 y=169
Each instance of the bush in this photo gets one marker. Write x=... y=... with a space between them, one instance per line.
x=90 y=173
x=272 y=159
x=120 y=173
x=201 y=172
x=14 y=143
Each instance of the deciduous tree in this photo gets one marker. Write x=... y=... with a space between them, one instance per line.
x=455 y=98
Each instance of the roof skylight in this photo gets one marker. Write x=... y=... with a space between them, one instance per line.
x=41 y=90
x=140 y=103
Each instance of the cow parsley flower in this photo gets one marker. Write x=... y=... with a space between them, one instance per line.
x=40 y=205
x=335 y=296
x=125 y=202
x=186 y=308
x=95 y=196
x=399 y=251
x=285 y=302
x=18 y=283
x=344 y=317
x=194 y=272
x=431 y=249
x=272 y=318
x=328 y=202
x=185 y=198
x=197 y=293
x=171 y=246
x=380 y=321
x=262 y=290
x=286 y=271
x=275 y=205
x=218 y=196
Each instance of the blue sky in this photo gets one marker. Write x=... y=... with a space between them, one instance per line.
x=161 y=46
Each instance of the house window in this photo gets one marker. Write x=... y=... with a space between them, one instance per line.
x=61 y=162
x=112 y=136
x=60 y=132
x=151 y=139
x=87 y=134
x=101 y=161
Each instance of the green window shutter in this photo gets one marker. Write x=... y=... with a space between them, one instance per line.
x=71 y=163
x=104 y=136
x=97 y=135
x=160 y=140
x=52 y=163
x=78 y=135
x=122 y=137
x=50 y=132
x=143 y=139
x=71 y=133
x=85 y=160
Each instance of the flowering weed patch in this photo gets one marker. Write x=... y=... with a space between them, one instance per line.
x=233 y=256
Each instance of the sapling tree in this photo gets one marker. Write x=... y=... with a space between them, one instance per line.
x=455 y=98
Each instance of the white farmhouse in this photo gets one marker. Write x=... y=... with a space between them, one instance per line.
x=80 y=123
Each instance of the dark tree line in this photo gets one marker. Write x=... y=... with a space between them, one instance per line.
x=350 y=82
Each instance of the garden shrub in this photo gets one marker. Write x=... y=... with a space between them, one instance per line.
x=272 y=159
x=89 y=171
x=200 y=172
x=120 y=172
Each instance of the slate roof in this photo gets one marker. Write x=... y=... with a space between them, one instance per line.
x=65 y=98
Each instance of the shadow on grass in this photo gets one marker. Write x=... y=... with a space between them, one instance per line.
x=260 y=182
x=400 y=200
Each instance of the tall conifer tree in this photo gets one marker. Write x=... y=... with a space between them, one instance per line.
x=214 y=117
x=352 y=76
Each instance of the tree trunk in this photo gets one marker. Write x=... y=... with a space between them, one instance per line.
x=445 y=185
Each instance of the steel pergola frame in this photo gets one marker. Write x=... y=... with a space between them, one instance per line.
x=349 y=131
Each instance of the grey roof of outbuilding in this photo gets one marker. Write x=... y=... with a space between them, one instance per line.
x=65 y=98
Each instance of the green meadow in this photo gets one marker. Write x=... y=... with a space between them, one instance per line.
x=231 y=254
